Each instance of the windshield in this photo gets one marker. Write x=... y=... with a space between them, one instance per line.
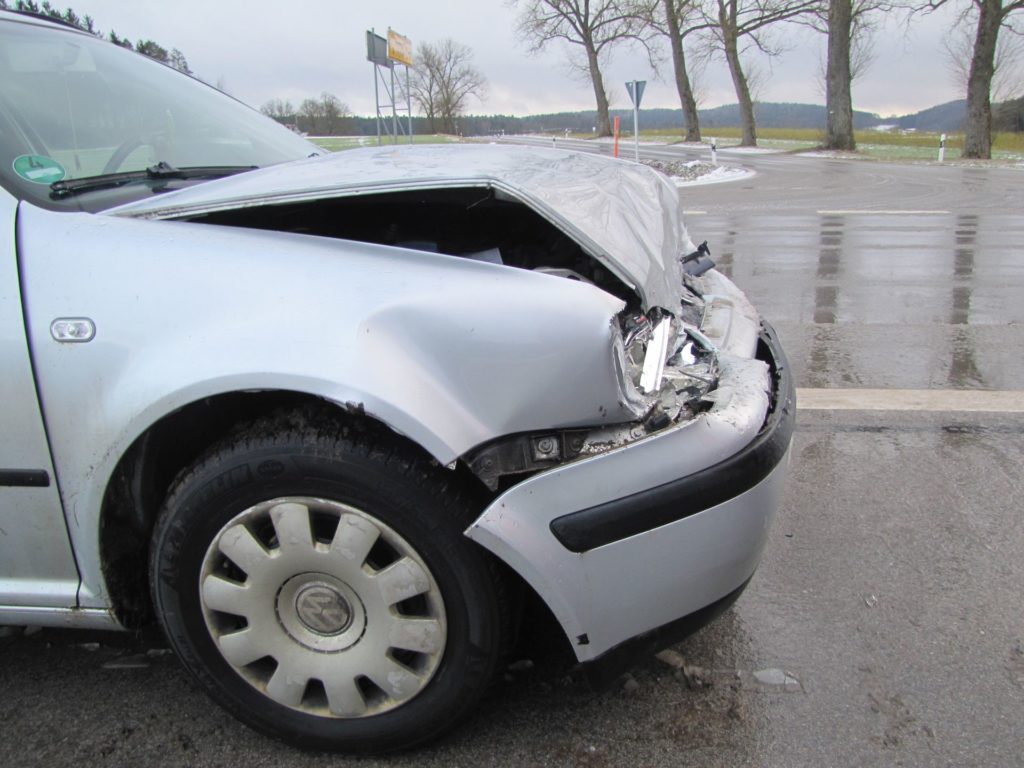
x=73 y=106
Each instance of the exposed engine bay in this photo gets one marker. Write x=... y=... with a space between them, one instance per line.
x=483 y=224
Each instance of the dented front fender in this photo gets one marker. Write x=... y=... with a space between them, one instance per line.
x=447 y=351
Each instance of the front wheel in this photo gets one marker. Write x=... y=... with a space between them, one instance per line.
x=321 y=589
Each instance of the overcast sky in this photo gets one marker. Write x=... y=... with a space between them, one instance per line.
x=295 y=49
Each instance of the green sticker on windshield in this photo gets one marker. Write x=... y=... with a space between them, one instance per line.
x=41 y=170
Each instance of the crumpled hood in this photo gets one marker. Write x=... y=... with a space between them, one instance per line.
x=623 y=214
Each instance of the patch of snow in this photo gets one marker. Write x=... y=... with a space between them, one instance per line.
x=628 y=141
x=718 y=174
x=750 y=150
x=685 y=173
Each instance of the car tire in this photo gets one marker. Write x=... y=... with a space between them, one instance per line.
x=317 y=584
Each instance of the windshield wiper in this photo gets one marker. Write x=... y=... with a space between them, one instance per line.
x=161 y=170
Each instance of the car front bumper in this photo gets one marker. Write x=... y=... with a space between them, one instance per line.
x=645 y=543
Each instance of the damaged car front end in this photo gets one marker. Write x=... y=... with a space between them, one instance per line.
x=631 y=494
x=330 y=418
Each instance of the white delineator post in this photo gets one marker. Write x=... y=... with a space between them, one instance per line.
x=942 y=148
x=714 y=151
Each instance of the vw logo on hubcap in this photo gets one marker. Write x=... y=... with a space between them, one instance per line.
x=322 y=609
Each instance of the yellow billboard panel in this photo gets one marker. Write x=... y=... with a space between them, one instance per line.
x=399 y=48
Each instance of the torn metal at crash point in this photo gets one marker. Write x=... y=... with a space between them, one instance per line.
x=654 y=360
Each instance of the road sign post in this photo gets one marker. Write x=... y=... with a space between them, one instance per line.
x=635 y=88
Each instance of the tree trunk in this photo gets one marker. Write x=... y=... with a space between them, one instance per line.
x=838 y=103
x=686 y=99
x=978 y=134
x=604 y=125
x=739 y=80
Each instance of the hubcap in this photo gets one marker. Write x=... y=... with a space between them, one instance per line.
x=320 y=612
x=322 y=607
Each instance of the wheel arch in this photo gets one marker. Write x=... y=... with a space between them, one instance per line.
x=143 y=474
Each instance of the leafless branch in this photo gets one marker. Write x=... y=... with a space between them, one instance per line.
x=591 y=26
x=442 y=81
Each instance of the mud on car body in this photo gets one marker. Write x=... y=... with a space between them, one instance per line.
x=328 y=418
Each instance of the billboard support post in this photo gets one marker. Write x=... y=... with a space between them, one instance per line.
x=376 y=101
x=394 y=107
x=408 y=102
x=386 y=53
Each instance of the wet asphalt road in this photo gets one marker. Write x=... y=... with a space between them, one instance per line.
x=886 y=623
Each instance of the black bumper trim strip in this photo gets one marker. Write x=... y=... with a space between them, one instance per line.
x=619 y=519
x=24 y=478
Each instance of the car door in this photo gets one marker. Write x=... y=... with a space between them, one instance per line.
x=37 y=568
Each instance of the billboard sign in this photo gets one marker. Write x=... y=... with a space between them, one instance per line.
x=399 y=48
x=377 y=50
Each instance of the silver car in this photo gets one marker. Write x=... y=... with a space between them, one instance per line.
x=331 y=419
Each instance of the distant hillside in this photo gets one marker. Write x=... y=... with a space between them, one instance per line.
x=948 y=117
x=780 y=115
x=767 y=114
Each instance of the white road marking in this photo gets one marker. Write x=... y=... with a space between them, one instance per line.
x=694 y=213
x=937 y=400
x=883 y=213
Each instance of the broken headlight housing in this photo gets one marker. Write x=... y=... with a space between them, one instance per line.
x=665 y=369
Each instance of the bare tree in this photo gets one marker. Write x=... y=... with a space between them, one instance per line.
x=676 y=20
x=153 y=49
x=177 y=60
x=839 y=78
x=280 y=110
x=992 y=17
x=334 y=113
x=124 y=42
x=423 y=86
x=738 y=24
x=595 y=26
x=442 y=82
x=323 y=116
x=1007 y=69
x=849 y=25
x=309 y=116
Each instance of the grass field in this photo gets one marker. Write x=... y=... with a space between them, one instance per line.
x=873 y=144
x=878 y=144
x=337 y=143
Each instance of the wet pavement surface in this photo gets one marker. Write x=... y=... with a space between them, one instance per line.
x=886 y=623
x=868 y=300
